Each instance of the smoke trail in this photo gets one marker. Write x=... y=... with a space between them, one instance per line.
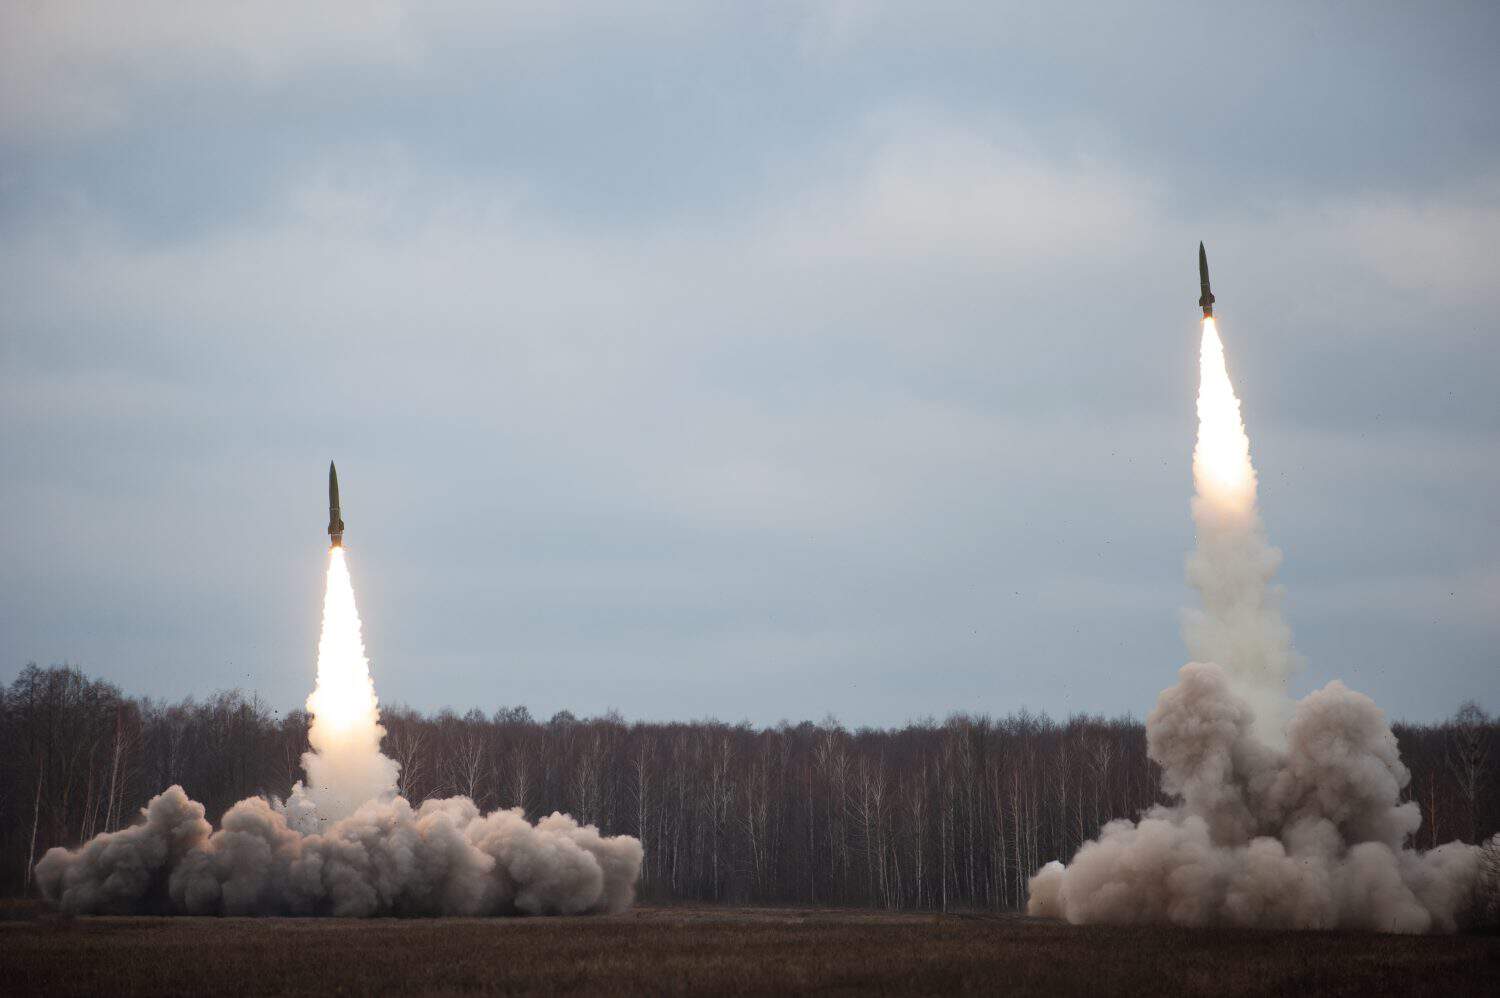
x=343 y=843
x=1286 y=815
x=1240 y=625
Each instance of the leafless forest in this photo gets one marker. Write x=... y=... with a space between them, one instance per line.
x=950 y=815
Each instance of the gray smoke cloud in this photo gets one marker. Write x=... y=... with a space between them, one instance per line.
x=442 y=857
x=1309 y=837
x=343 y=843
x=1285 y=815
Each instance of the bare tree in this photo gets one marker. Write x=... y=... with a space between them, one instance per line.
x=403 y=743
x=467 y=764
x=951 y=815
x=1468 y=758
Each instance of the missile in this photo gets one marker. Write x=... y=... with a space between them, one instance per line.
x=1206 y=299
x=335 y=522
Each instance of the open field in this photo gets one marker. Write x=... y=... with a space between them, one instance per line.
x=718 y=950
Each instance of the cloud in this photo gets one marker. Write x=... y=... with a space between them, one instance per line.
x=923 y=186
x=1438 y=245
x=652 y=304
x=69 y=68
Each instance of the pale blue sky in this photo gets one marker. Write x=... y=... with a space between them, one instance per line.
x=755 y=361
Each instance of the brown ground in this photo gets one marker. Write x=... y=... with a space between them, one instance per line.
x=716 y=950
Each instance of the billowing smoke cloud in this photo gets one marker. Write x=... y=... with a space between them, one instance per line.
x=1286 y=815
x=387 y=858
x=343 y=843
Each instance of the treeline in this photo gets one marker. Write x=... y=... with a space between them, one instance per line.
x=934 y=815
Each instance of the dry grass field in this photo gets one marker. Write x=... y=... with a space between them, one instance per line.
x=655 y=950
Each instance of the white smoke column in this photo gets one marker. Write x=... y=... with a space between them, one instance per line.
x=1240 y=626
x=1287 y=816
x=345 y=766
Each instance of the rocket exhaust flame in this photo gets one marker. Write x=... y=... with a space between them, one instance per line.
x=1285 y=815
x=1222 y=471
x=345 y=766
x=344 y=700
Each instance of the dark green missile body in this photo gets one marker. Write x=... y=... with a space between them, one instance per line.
x=1206 y=299
x=335 y=522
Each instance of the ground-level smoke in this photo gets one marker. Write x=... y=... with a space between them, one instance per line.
x=1285 y=815
x=344 y=842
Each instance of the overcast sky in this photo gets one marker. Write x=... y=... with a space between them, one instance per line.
x=756 y=361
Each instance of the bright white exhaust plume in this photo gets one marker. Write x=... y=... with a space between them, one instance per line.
x=1240 y=626
x=1286 y=815
x=344 y=843
x=345 y=766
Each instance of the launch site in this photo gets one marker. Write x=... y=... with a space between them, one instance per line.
x=682 y=498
